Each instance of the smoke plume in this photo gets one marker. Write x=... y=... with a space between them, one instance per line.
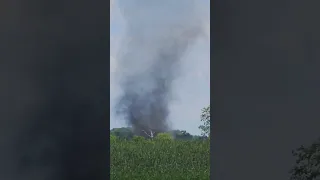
x=158 y=34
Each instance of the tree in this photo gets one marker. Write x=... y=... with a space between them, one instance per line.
x=205 y=119
x=308 y=162
x=163 y=137
x=182 y=135
x=128 y=134
x=122 y=133
x=199 y=138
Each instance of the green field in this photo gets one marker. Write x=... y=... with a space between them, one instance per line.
x=141 y=159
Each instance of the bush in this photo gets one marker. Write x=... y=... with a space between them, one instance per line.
x=138 y=138
x=157 y=159
x=164 y=137
x=113 y=138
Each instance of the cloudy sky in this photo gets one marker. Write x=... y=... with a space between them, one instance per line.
x=192 y=88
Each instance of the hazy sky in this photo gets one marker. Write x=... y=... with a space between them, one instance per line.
x=191 y=89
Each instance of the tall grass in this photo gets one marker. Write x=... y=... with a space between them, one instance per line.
x=159 y=159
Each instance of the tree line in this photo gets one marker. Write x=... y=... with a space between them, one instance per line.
x=127 y=133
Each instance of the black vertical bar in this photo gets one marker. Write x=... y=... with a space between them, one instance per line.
x=264 y=94
x=54 y=77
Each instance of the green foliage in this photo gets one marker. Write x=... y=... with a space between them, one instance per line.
x=183 y=135
x=197 y=138
x=163 y=137
x=113 y=138
x=138 y=138
x=126 y=133
x=205 y=118
x=308 y=162
x=158 y=159
x=122 y=133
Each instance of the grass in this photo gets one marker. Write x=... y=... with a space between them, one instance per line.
x=141 y=159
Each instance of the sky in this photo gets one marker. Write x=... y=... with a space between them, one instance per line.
x=191 y=89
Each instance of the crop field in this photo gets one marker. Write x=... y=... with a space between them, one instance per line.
x=159 y=159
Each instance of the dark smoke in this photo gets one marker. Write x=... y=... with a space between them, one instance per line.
x=54 y=90
x=158 y=35
x=266 y=86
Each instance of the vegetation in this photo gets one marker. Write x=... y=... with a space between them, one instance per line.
x=126 y=133
x=175 y=155
x=159 y=158
x=205 y=119
x=308 y=162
